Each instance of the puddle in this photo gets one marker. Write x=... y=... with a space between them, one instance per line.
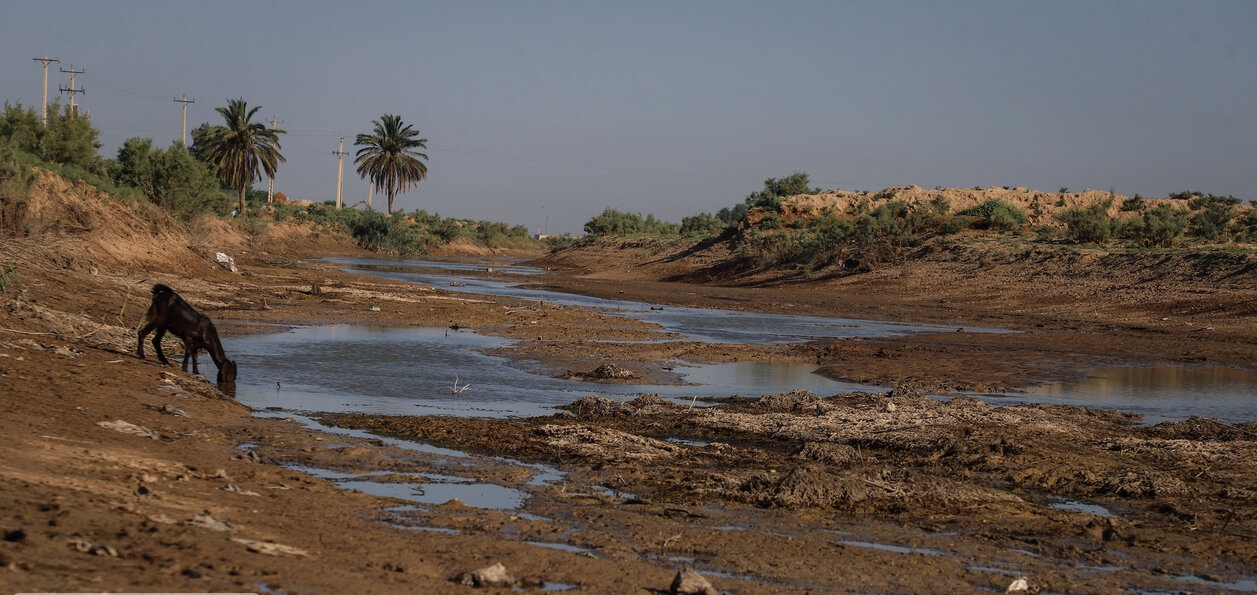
x=894 y=548
x=1247 y=585
x=1160 y=393
x=565 y=547
x=1076 y=506
x=424 y=490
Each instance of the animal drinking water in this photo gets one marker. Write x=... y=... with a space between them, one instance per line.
x=170 y=313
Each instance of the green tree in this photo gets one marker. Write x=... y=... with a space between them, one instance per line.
x=618 y=223
x=21 y=129
x=389 y=156
x=170 y=178
x=702 y=224
x=68 y=139
x=242 y=150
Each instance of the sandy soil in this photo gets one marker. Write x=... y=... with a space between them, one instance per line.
x=121 y=474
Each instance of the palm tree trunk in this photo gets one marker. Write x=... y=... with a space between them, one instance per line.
x=241 y=207
x=390 y=201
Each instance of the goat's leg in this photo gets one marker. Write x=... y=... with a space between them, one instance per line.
x=189 y=352
x=161 y=357
x=148 y=328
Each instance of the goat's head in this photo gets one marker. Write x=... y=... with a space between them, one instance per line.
x=227 y=372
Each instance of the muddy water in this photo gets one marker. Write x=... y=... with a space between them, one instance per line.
x=1160 y=393
x=697 y=324
x=413 y=371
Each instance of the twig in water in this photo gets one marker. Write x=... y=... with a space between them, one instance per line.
x=457 y=390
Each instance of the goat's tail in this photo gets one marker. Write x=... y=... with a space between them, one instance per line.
x=159 y=288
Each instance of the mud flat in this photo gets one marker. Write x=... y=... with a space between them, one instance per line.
x=122 y=475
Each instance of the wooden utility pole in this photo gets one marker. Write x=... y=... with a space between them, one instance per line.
x=270 y=184
x=43 y=107
x=71 y=90
x=340 y=167
x=183 y=138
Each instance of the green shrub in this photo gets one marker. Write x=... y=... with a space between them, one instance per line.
x=8 y=276
x=1089 y=225
x=1158 y=227
x=1213 y=216
x=382 y=233
x=997 y=214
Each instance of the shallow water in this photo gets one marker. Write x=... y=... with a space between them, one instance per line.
x=412 y=371
x=1160 y=392
x=697 y=324
x=426 y=488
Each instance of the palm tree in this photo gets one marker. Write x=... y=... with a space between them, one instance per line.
x=237 y=150
x=388 y=157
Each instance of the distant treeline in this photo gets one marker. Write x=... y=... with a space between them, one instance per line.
x=175 y=179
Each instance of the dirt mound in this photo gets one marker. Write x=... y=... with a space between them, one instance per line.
x=79 y=227
x=464 y=247
x=1040 y=207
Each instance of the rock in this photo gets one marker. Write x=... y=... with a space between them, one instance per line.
x=489 y=576
x=94 y=548
x=270 y=549
x=690 y=582
x=129 y=428
x=226 y=262
x=207 y=521
x=232 y=488
x=1021 y=585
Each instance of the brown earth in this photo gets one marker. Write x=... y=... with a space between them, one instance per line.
x=123 y=475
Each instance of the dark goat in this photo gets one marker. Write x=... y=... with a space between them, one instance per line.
x=170 y=313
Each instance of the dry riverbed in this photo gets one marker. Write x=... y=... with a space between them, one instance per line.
x=123 y=475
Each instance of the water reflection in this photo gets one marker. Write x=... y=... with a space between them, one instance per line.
x=411 y=371
x=1161 y=392
x=697 y=324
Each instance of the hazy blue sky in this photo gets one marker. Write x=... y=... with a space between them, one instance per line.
x=541 y=111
